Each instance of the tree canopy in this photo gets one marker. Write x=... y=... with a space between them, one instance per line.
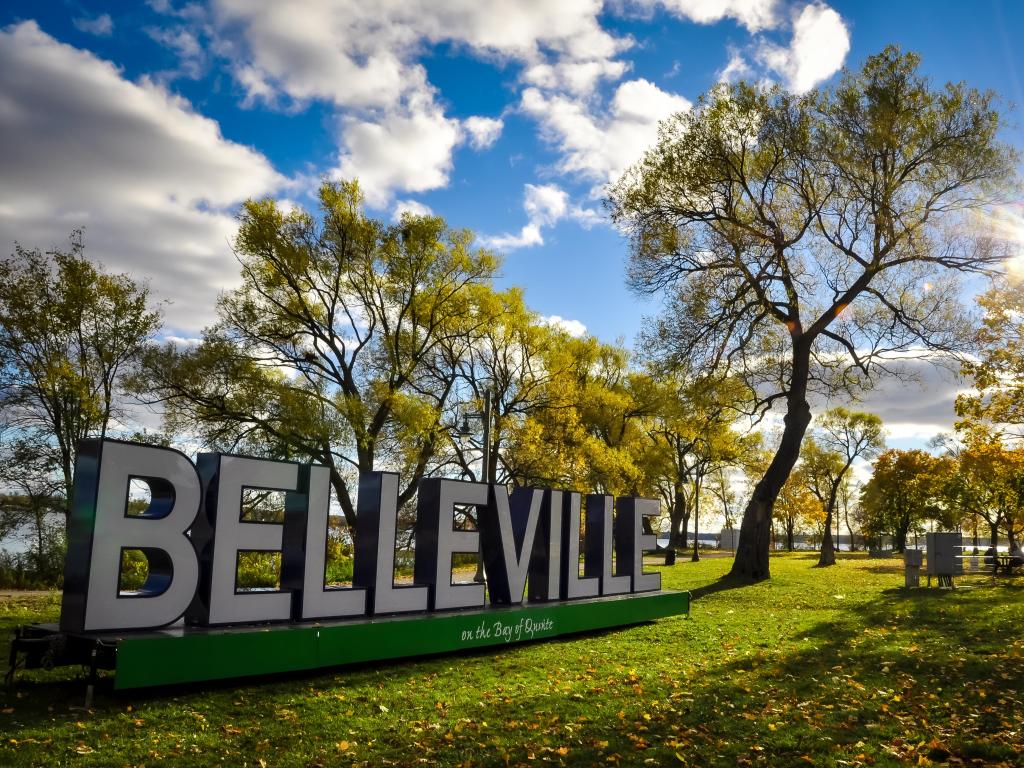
x=807 y=242
x=69 y=335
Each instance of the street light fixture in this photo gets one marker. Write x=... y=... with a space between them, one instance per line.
x=465 y=430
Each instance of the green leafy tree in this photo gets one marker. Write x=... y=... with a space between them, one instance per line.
x=340 y=346
x=588 y=435
x=798 y=507
x=69 y=335
x=804 y=241
x=998 y=369
x=906 y=489
x=840 y=438
x=694 y=436
x=515 y=359
x=32 y=503
x=989 y=484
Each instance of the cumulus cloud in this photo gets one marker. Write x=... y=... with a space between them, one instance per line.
x=817 y=50
x=916 y=406
x=545 y=205
x=572 y=327
x=363 y=59
x=362 y=54
x=101 y=26
x=407 y=150
x=576 y=77
x=601 y=146
x=153 y=182
x=412 y=207
x=752 y=14
x=735 y=69
x=483 y=131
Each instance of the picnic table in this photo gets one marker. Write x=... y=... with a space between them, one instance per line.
x=1005 y=562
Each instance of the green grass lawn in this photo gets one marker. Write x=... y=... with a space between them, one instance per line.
x=824 y=667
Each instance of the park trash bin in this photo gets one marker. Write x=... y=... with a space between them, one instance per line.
x=912 y=561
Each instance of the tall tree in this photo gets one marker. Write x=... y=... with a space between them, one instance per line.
x=906 y=489
x=341 y=344
x=840 y=438
x=32 y=500
x=69 y=334
x=797 y=507
x=806 y=241
x=989 y=483
x=693 y=434
x=588 y=434
x=998 y=369
x=849 y=495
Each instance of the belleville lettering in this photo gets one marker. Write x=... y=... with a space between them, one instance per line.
x=193 y=531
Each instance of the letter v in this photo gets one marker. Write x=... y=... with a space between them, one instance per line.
x=508 y=527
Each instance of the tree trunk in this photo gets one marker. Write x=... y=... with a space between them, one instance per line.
x=828 y=549
x=696 y=520
x=828 y=546
x=755 y=532
x=679 y=519
x=899 y=539
x=341 y=493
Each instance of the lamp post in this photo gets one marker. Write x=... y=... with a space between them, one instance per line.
x=485 y=465
x=466 y=431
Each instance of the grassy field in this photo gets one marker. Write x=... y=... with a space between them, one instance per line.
x=826 y=667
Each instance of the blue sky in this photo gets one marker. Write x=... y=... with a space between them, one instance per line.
x=149 y=123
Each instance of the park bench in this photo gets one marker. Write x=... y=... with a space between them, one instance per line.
x=1006 y=563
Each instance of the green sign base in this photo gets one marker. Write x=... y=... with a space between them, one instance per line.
x=187 y=654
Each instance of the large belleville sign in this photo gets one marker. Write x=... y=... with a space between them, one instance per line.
x=194 y=528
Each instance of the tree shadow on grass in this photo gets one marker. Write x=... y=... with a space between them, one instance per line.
x=726 y=582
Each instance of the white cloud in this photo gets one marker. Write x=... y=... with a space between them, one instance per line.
x=752 y=14
x=572 y=327
x=355 y=53
x=735 y=69
x=528 y=236
x=483 y=131
x=819 y=46
x=917 y=405
x=187 y=10
x=183 y=341
x=154 y=183
x=412 y=207
x=601 y=147
x=545 y=205
x=408 y=150
x=185 y=44
x=362 y=58
x=102 y=25
x=576 y=77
